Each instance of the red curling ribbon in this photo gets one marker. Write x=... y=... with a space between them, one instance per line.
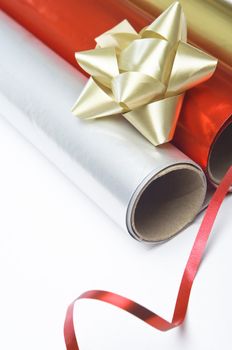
x=188 y=277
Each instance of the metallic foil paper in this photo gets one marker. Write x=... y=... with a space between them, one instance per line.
x=152 y=192
x=143 y=75
x=72 y=25
x=204 y=131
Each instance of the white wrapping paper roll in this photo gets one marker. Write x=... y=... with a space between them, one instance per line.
x=151 y=192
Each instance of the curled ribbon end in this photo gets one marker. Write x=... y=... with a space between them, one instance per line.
x=149 y=317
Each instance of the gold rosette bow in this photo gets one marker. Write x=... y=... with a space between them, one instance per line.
x=143 y=76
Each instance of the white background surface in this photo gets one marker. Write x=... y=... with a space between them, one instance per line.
x=55 y=244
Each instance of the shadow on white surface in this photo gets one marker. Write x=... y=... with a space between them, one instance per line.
x=55 y=244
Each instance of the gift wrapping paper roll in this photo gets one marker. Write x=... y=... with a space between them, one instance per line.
x=150 y=192
x=204 y=131
x=73 y=24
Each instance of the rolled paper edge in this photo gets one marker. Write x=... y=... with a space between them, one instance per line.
x=187 y=192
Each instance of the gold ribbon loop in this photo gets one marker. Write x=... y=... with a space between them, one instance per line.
x=136 y=89
x=103 y=104
x=93 y=62
x=170 y=25
x=190 y=68
x=157 y=120
x=149 y=56
x=118 y=37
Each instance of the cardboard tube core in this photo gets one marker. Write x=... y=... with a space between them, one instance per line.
x=168 y=202
x=220 y=158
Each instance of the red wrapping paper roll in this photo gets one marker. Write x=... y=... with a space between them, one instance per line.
x=71 y=25
x=205 y=115
x=204 y=131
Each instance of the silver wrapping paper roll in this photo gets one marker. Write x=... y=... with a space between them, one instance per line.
x=151 y=192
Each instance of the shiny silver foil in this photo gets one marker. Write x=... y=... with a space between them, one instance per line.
x=152 y=192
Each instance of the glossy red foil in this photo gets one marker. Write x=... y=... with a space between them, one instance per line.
x=71 y=25
x=207 y=109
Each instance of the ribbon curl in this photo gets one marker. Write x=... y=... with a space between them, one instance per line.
x=182 y=300
x=143 y=75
